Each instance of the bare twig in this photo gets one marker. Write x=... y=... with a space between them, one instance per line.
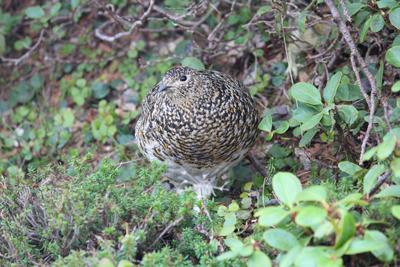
x=16 y=61
x=133 y=27
x=165 y=230
x=257 y=164
x=383 y=178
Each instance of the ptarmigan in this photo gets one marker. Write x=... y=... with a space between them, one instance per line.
x=201 y=123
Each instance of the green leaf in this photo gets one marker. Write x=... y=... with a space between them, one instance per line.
x=350 y=114
x=282 y=128
x=372 y=176
x=226 y=256
x=69 y=119
x=396 y=211
x=125 y=263
x=306 y=93
x=259 y=259
x=347 y=229
x=349 y=167
x=233 y=243
x=393 y=55
x=392 y=191
x=266 y=124
x=311 y=216
x=307 y=137
x=271 y=216
x=286 y=187
x=288 y=259
x=193 y=63
x=312 y=256
x=386 y=3
x=54 y=10
x=383 y=254
x=280 y=239
x=395 y=166
x=301 y=21
x=233 y=206
x=100 y=90
x=368 y=155
x=35 y=12
x=362 y=246
x=2 y=44
x=394 y=17
x=353 y=8
x=311 y=122
x=74 y=4
x=396 y=87
x=303 y=113
x=349 y=92
x=264 y=9
x=105 y=262
x=313 y=193
x=227 y=230
x=379 y=77
x=246 y=202
x=331 y=88
x=385 y=149
x=377 y=22
x=364 y=29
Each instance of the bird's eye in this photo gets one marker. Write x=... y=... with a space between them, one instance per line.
x=183 y=78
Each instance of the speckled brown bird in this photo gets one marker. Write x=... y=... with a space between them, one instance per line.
x=201 y=123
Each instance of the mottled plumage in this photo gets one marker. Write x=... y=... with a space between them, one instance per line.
x=200 y=122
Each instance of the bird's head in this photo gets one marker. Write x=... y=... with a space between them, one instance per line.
x=180 y=84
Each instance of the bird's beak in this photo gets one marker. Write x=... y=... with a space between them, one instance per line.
x=162 y=87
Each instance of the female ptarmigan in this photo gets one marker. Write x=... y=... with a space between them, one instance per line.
x=200 y=123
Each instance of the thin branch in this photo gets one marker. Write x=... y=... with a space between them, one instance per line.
x=165 y=230
x=383 y=178
x=133 y=27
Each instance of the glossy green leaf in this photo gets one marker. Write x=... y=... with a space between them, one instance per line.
x=259 y=259
x=311 y=216
x=105 y=262
x=286 y=187
x=312 y=256
x=280 y=239
x=313 y=193
x=368 y=155
x=393 y=55
x=350 y=113
x=303 y=113
x=392 y=191
x=383 y=254
x=288 y=259
x=266 y=124
x=125 y=263
x=349 y=167
x=331 y=88
x=386 y=3
x=395 y=166
x=193 y=62
x=307 y=137
x=377 y=23
x=35 y=12
x=361 y=246
x=306 y=93
x=394 y=17
x=379 y=76
x=301 y=21
x=385 y=149
x=282 y=128
x=263 y=9
x=396 y=87
x=227 y=230
x=100 y=90
x=271 y=216
x=396 y=211
x=311 y=122
x=347 y=229
x=364 y=29
x=372 y=176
